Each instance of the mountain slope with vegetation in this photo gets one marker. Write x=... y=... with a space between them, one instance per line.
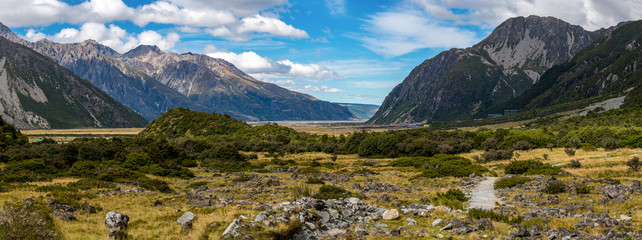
x=608 y=68
x=460 y=83
x=36 y=92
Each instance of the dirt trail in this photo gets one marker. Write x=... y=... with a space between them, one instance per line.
x=483 y=196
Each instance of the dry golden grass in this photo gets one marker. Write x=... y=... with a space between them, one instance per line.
x=148 y=222
x=71 y=134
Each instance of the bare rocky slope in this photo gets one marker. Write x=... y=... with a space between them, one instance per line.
x=460 y=83
x=35 y=92
x=151 y=82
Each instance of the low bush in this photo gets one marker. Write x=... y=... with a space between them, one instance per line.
x=443 y=166
x=28 y=221
x=575 y=164
x=243 y=178
x=301 y=191
x=497 y=155
x=522 y=145
x=510 y=182
x=332 y=192
x=634 y=163
x=610 y=144
x=314 y=181
x=555 y=187
x=588 y=147
x=531 y=167
x=89 y=183
x=453 y=198
x=569 y=151
x=582 y=190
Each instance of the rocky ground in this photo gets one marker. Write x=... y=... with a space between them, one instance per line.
x=386 y=203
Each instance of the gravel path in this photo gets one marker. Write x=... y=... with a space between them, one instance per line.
x=483 y=196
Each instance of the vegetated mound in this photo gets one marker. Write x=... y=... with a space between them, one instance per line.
x=10 y=136
x=440 y=165
x=180 y=122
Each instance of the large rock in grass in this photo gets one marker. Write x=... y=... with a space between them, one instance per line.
x=187 y=217
x=116 y=223
x=391 y=214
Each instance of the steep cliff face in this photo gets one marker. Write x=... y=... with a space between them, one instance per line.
x=151 y=82
x=35 y=92
x=459 y=83
x=608 y=67
x=221 y=87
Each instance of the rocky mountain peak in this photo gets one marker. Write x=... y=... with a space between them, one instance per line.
x=143 y=50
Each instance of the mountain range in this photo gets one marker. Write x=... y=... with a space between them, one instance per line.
x=35 y=92
x=460 y=84
x=151 y=82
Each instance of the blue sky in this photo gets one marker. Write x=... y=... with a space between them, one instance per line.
x=336 y=50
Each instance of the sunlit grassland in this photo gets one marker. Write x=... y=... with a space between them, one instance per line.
x=149 y=222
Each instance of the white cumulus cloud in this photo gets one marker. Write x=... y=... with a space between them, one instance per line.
x=238 y=20
x=590 y=14
x=264 y=68
x=257 y=24
x=112 y=36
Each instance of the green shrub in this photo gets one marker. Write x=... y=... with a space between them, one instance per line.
x=453 y=198
x=444 y=165
x=634 y=163
x=89 y=183
x=582 y=190
x=610 y=144
x=497 y=155
x=531 y=167
x=314 y=181
x=332 y=192
x=555 y=187
x=569 y=151
x=29 y=221
x=301 y=191
x=243 y=178
x=510 y=182
x=588 y=147
x=575 y=164
x=522 y=145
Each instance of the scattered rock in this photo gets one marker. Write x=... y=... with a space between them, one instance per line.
x=116 y=223
x=29 y=201
x=158 y=203
x=437 y=222
x=484 y=224
x=90 y=209
x=391 y=214
x=187 y=217
x=411 y=222
x=59 y=214
x=335 y=232
x=231 y=230
x=202 y=203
